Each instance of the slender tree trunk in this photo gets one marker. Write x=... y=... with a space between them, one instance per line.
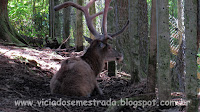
x=180 y=65
x=190 y=53
x=7 y=32
x=143 y=36
x=92 y=10
x=34 y=16
x=111 y=28
x=111 y=68
x=198 y=27
x=51 y=19
x=133 y=49
x=163 y=50
x=151 y=79
x=198 y=35
x=128 y=42
x=79 y=28
x=57 y=22
x=66 y=23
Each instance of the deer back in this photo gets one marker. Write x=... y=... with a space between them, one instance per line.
x=75 y=77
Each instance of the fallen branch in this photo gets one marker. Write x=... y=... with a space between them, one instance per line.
x=64 y=42
x=124 y=74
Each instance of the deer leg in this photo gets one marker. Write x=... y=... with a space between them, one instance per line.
x=98 y=89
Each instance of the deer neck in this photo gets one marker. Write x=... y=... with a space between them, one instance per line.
x=96 y=62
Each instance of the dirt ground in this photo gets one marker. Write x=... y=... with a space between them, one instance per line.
x=25 y=74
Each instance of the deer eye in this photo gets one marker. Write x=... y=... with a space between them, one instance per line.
x=102 y=45
x=109 y=47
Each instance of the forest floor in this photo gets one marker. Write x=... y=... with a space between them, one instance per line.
x=25 y=74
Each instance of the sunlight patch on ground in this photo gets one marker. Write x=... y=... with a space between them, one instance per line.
x=46 y=59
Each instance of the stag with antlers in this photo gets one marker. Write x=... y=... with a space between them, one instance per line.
x=77 y=75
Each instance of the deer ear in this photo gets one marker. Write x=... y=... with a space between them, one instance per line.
x=89 y=40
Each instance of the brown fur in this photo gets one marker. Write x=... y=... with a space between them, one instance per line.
x=77 y=76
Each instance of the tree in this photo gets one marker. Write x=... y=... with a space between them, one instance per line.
x=132 y=45
x=57 y=22
x=198 y=27
x=134 y=42
x=7 y=32
x=34 y=13
x=92 y=10
x=51 y=19
x=143 y=36
x=128 y=42
x=79 y=28
x=151 y=78
x=111 y=29
x=190 y=53
x=163 y=50
x=66 y=23
x=180 y=63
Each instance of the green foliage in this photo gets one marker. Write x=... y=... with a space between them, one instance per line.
x=173 y=11
x=198 y=64
x=72 y=36
x=30 y=17
x=149 y=6
x=21 y=59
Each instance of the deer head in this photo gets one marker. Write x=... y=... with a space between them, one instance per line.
x=83 y=70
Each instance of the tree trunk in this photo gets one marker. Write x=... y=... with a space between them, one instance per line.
x=190 y=53
x=180 y=65
x=57 y=22
x=111 y=29
x=51 y=19
x=7 y=32
x=79 y=28
x=198 y=27
x=143 y=36
x=66 y=24
x=92 y=10
x=128 y=42
x=151 y=79
x=163 y=50
x=133 y=42
x=34 y=16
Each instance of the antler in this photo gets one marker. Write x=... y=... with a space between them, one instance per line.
x=89 y=18
x=104 y=28
x=121 y=31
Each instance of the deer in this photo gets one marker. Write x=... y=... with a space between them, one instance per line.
x=77 y=75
